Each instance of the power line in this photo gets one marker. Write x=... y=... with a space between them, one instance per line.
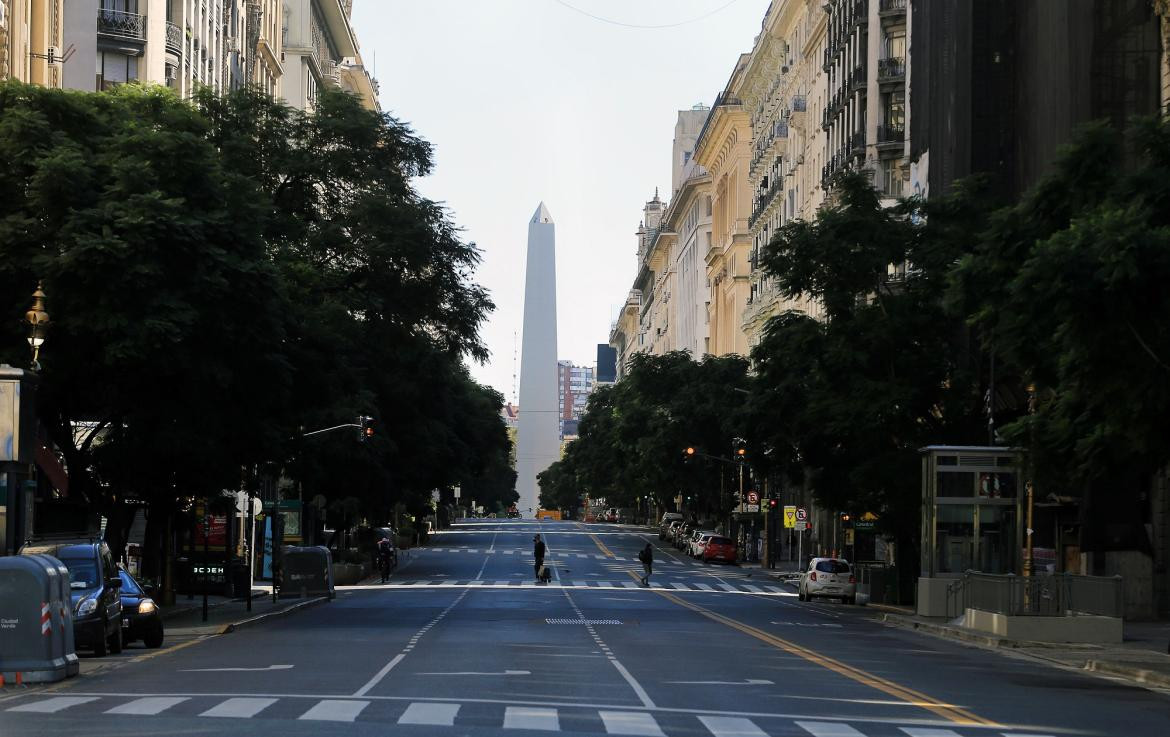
x=724 y=6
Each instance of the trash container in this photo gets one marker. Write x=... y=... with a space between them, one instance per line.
x=36 y=622
x=238 y=575
x=308 y=571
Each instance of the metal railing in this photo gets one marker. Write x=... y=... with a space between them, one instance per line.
x=889 y=6
x=120 y=24
x=174 y=39
x=891 y=134
x=1048 y=595
x=891 y=67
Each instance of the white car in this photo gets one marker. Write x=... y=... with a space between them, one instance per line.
x=664 y=525
x=699 y=541
x=829 y=578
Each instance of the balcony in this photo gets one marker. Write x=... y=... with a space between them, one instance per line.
x=857 y=143
x=121 y=25
x=891 y=134
x=858 y=79
x=891 y=69
x=174 y=39
x=799 y=104
x=895 y=7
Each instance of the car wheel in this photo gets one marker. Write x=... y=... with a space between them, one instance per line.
x=116 y=640
x=800 y=595
x=154 y=638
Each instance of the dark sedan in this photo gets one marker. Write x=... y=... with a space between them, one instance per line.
x=141 y=619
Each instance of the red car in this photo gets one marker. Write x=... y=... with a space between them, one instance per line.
x=720 y=548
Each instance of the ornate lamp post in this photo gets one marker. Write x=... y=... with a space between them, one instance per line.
x=38 y=320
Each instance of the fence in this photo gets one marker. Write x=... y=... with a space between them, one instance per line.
x=1049 y=595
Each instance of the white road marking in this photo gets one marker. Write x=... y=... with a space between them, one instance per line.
x=148 y=705
x=424 y=712
x=53 y=705
x=745 y=682
x=731 y=727
x=630 y=722
x=752 y=589
x=829 y=729
x=239 y=707
x=645 y=697
x=480 y=673
x=920 y=732
x=704 y=587
x=528 y=717
x=335 y=710
x=580 y=583
x=503 y=583
x=680 y=586
x=727 y=587
x=236 y=670
x=380 y=675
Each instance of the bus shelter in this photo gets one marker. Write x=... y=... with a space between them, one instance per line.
x=972 y=517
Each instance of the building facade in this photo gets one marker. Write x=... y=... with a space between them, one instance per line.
x=29 y=30
x=724 y=148
x=318 y=43
x=574 y=385
x=688 y=219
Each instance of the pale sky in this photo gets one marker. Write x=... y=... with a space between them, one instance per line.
x=528 y=101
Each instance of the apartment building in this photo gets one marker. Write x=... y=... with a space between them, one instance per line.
x=31 y=41
x=783 y=92
x=318 y=42
x=724 y=148
x=181 y=44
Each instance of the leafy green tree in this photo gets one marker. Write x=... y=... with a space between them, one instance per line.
x=1068 y=287
x=168 y=315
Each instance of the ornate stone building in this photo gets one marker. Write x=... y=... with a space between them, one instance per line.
x=29 y=30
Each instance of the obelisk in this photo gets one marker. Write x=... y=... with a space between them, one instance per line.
x=538 y=442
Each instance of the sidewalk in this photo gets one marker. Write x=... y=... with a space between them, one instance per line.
x=1141 y=657
x=184 y=618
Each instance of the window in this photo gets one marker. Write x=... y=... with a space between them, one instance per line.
x=895 y=46
x=894 y=109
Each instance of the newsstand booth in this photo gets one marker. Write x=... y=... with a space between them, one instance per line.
x=972 y=518
x=36 y=621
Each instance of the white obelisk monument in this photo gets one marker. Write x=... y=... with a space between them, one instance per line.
x=539 y=441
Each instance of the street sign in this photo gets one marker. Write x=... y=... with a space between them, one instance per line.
x=457 y=492
x=753 y=497
x=848 y=537
x=801 y=525
x=790 y=516
x=801 y=514
x=752 y=508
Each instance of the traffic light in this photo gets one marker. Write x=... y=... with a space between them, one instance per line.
x=846 y=520
x=367 y=428
x=688 y=453
x=773 y=503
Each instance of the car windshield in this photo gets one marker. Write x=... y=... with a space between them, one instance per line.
x=832 y=566
x=129 y=585
x=83 y=573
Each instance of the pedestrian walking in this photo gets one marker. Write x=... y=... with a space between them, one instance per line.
x=384 y=550
x=647 y=558
x=538 y=554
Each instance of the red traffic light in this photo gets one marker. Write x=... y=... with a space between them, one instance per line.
x=772 y=503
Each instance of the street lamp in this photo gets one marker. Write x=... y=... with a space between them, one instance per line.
x=38 y=320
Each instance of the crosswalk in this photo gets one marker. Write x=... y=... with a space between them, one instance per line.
x=615 y=721
x=738 y=588
x=562 y=555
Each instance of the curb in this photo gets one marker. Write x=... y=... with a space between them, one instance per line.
x=252 y=621
x=1141 y=675
x=896 y=620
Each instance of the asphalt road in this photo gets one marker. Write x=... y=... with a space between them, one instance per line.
x=464 y=641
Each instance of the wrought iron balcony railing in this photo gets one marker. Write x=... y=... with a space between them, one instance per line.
x=120 y=24
x=174 y=39
x=891 y=134
x=891 y=67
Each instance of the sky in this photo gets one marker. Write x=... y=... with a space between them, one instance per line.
x=535 y=100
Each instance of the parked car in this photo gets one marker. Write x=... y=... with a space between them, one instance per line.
x=611 y=515
x=94 y=583
x=830 y=578
x=680 y=533
x=672 y=530
x=699 y=541
x=664 y=523
x=719 y=548
x=141 y=618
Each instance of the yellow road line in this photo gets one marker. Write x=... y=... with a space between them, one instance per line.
x=916 y=698
x=601 y=546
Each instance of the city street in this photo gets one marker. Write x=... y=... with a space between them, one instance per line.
x=464 y=641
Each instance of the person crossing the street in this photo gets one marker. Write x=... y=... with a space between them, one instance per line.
x=647 y=558
x=538 y=554
x=384 y=551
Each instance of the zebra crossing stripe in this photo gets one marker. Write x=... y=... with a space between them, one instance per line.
x=147 y=705
x=829 y=729
x=704 y=587
x=917 y=732
x=430 y=713
x=528 y=717
x=239 y=707
x=630 y=722
x=731 y=727
x=335 y=710
x=53 y=705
